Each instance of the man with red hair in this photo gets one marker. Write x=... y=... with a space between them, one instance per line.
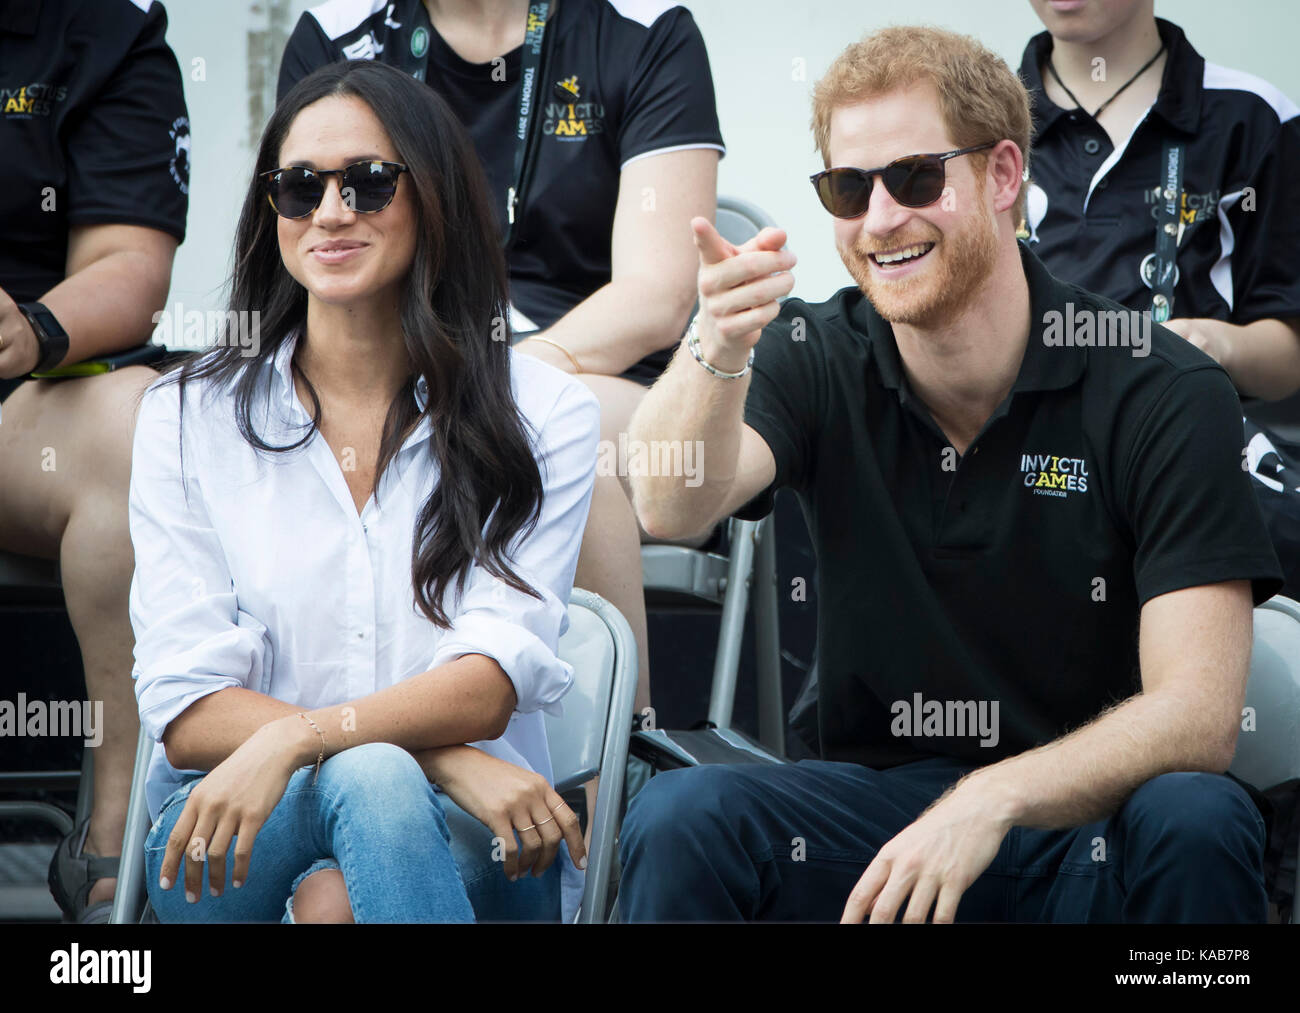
x=1037 y=551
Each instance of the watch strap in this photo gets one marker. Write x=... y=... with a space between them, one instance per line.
x=51 y=338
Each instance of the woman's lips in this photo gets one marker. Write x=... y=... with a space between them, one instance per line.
x=337 y=255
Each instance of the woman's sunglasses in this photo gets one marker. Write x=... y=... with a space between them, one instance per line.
x=296 y=191
x=914 y=181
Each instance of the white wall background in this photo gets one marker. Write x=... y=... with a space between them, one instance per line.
x=755 y=49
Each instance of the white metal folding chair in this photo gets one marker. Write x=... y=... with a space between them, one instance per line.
x=1269 y=754
x=589 y=739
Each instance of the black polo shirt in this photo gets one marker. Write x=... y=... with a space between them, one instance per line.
x=1015 y=574
x=627 y=80
x=1092 y=207
x=93 y=127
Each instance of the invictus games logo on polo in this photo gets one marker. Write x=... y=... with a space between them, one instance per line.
x=29 y=100
x=569 y=119
x=1193 y=208
x=1053 y=475
x=945 y=719
x=1094 y=328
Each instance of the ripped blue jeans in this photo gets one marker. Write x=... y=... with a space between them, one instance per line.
x=407 y=853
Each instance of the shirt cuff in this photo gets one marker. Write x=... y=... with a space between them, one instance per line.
x=540 y=678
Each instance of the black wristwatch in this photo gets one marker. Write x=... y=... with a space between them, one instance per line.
x=50 y=336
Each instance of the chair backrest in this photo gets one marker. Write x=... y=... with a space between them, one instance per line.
x=1268 y=746
x=739 y=221
x=577 y=738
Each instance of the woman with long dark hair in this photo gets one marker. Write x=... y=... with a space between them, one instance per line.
x=355 y=539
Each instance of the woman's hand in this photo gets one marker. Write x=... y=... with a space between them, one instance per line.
x=233 y=800
x=505 y=799
x=19 y=349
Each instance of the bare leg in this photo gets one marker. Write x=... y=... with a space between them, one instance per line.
x=65 y=454
x=322 y=898
x=610 y=561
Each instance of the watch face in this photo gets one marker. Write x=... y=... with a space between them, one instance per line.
x=43 y=321
x=52 y=339
x=48 y=324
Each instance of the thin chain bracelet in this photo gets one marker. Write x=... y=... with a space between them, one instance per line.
x=321 y=756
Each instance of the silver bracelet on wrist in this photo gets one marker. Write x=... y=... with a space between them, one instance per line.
x=693 y=343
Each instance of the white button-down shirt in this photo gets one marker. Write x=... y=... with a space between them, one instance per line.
x=254 y=569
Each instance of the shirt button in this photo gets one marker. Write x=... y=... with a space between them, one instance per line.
x=1092 y=145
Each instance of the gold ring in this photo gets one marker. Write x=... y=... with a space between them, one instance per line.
x=522 y=829
x=545 y=821
x=558 y=806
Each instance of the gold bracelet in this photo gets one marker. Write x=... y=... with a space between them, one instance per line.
x=321 y=756
x=577 y=366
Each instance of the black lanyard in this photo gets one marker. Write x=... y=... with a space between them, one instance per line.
x=1164 y=273
x=415 y=61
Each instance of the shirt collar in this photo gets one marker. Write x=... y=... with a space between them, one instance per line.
x=1179 y=101
x=282 y=368
x=19 y=17
x=1043 y=367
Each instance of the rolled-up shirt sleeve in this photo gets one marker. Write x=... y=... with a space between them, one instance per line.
x=521 y=633
x=191 y=639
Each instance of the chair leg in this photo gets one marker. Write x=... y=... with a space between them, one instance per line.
x=767 y=640
x=726 y=663
x=129 y=900
x=613 y=769
x=1295 y=898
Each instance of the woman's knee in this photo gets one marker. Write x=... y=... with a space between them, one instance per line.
x=379 y=770
x=322 y=898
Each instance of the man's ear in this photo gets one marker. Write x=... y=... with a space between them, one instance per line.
x=1006 y=164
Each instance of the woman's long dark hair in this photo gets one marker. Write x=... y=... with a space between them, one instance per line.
x=454 y=313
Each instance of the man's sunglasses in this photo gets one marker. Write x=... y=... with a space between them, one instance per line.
x=913 y=180
x=296 y=191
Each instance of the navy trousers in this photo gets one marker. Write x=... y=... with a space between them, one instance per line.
x=789 y=842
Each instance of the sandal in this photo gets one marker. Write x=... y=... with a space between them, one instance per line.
x=73 y=873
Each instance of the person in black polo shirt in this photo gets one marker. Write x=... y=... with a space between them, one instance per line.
x=1113 y=88
x=1037 y=554
x=611 y=150
x=96 y=140
x=1125 y=108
